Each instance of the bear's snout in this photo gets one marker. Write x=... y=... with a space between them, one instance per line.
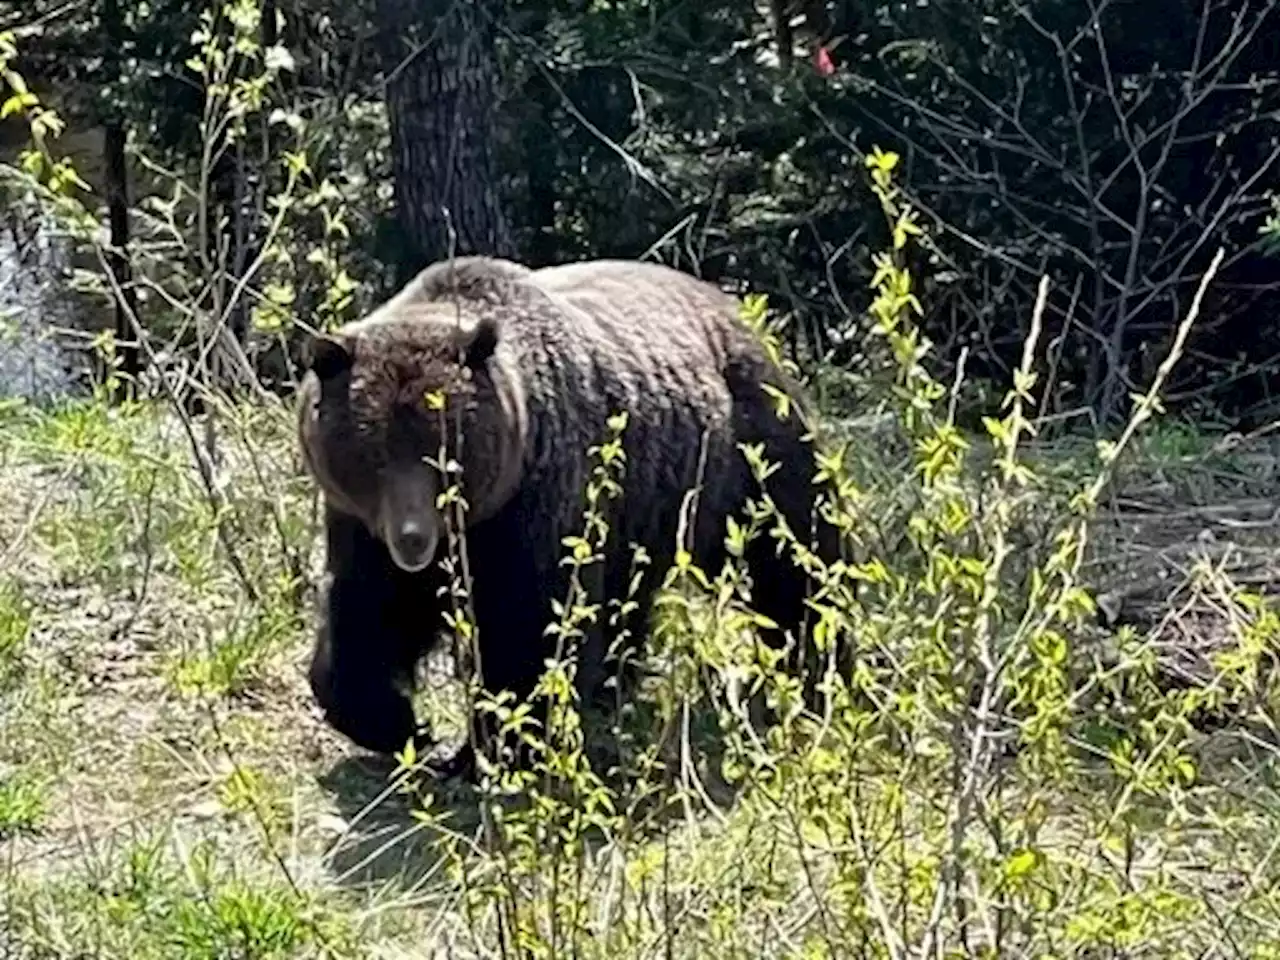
x=413 y=545
x=409 y=522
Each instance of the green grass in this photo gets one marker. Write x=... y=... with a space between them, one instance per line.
x=137 y=671
x=22 y=804
x=15 y=626
x=154 y=898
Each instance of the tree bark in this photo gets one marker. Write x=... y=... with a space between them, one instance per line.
x=116 y=188
x=442 y=79
x=780 y=11
x=540 y=168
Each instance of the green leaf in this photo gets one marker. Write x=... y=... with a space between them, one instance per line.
x=1021 y=863
x=17 y=104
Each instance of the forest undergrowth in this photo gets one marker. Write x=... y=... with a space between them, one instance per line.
x=1048 y=729
x=1054 y=737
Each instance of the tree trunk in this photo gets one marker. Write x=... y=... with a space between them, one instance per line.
x=116 y=188
x=540 y=156
x=780 y=11
x=441 y=65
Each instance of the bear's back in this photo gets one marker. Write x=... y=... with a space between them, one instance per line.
x=616 y=281
x=583 y=341
x=644 y=314
x=644 y=337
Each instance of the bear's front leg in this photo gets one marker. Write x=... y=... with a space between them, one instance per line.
x=512 y=651
x=516 y=577
x=377 y=621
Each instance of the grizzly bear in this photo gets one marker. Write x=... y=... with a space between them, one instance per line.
x=531 y=365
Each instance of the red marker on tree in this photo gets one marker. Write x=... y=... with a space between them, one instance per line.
x=822 y=62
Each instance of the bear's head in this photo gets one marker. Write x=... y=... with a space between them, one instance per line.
x=385 y=398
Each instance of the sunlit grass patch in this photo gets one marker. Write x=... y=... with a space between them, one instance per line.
x=23 y=802
x=239 y=648
x=161 y=897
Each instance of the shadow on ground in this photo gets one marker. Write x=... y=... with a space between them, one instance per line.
x=385 y=842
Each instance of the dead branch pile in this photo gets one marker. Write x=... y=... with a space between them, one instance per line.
x=1179 y=541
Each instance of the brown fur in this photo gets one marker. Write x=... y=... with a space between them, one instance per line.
x=532 y=364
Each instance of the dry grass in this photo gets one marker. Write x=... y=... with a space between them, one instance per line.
x=1185 y=529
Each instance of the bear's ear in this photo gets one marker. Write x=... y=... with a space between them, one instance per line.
x=328 y=356
x=482 y=342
